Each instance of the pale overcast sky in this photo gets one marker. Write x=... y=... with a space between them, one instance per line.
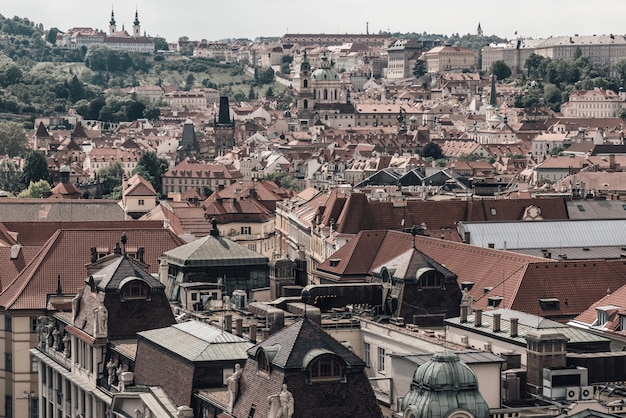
x=219 y=19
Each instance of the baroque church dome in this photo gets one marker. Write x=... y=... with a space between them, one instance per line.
x=444 y=387
x=325 y=72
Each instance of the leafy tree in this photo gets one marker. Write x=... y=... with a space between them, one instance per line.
x=51 y=36
x=160 y=44
x=622 y=113
x=111 y=177
x=534 y=65
x=269 y=92
x=620 y=68
x=432 y=150
x=35 y=167
x=264 y=75
x=500 y=70
x=190 y=80
x=152 y=168
x=10 y=177
x=206 y=191
x=134 y=110
x=251 y=95
x=36 y=189
x=152 y=112
x=13 y=141
x=282 y=179
x=419 y=69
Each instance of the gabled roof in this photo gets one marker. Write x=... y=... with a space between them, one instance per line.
x=138 y=186
x=196 y=341
x=65 y=255
x=289 y=347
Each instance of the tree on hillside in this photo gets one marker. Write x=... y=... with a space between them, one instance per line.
x=35 y=168
x=282 y=179
x=500 y=70
x=152 y=168
x=13 y=140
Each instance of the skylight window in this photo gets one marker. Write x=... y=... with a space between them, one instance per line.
x=581 y=208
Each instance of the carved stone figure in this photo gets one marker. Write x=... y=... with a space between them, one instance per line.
x=285 y=405
x=56 y=338
x=67 y=345
x=120 y=381
x=101 y=317
x=42 y=321
x=111 y=366
x=233 y=386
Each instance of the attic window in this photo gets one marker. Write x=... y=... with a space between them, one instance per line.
x=494 y=301
x=549 y=304
x=581 y=208
x=262 y=362
x=135 y=290
x=493 y=211
x=325 y=369
x=624 y=207
x=334 y=262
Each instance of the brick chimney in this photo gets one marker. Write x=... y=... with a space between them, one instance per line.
x=514 y=323
x=496 y=322
x=478 y=318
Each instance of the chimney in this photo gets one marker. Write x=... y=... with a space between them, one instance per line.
x=140 y=253
x=496 y=322
x=253 y=333
x=117 y=250
x=239 y=326
x=94 y=254
x=478 y=318
x=514 y=322
x=464 y=314
x=228 y=323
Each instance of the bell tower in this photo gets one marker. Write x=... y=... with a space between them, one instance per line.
x=112 y=26
x=136 y=25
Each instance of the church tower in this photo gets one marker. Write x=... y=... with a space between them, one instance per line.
x=112 y=27
x=304 y=102
x=479 y=30
x=136 y=26
x=224 y=129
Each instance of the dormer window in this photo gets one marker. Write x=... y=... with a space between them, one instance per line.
x=135 y=290
x=429 y=278
x=494 y=301
x=325 y=369
x=549 y=304
x=262 y=362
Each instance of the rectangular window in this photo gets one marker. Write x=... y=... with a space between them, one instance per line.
x=8 y=362
x=33 y=324
x=8 y=406
x=381 y=359
x=8 y=323
x=246 y=230
x=368 y=350
x=34 y=364
x=141 y=202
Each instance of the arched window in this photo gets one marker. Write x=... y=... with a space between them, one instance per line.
x=262 y=362
x=429 y=279
x=325 y=117
x=305 y=104
x=325 y=369
x=325 y=94
x=135 y=290
x=305 y=83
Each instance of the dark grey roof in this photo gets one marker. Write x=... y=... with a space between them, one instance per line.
x=199 y=342
x=113 y=276
x=596 y=209
x=293 y=346
x=213 y=251
x=59 y=210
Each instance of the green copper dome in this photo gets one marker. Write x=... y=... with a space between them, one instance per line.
x=442 y=385
x=325 y=72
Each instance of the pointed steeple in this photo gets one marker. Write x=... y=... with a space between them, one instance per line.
x=112 y=24
x=136 y=26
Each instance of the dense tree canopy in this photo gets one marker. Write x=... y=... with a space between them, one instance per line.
x=13 y=141
x=151 y=168
x=500 y=70
x=35 y=168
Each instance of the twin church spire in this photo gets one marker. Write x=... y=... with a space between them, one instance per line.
x=136 y=24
